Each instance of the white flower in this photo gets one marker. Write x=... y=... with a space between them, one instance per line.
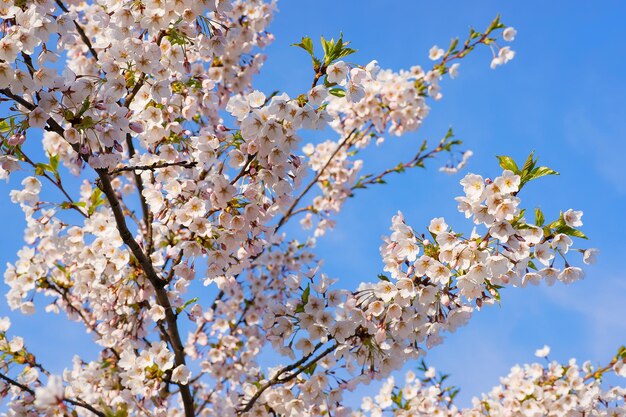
x=505 y=54
x=385 y=290
x=181 y=375
x=501 y=231
x=589 y=256
x=454 y=72
x=435 y=53
x=509 y=34
x=473 y=186
x=470 y=284
x=544 y=253
x=317 y=95
x=376 y=308
x=543 y=352
x=571 y=274
x=508 y=182
x=408 y=249
x=5 y=323
x=337 y=72
x=354 y=92
x=37 y=118
x=620 y=368
x=573 y=218
x=438 y=225
x=256 y=99
x=562 y=242
x=51 y=395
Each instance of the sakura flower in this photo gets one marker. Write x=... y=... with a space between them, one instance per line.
x=509 y=34
x=508 y=182
x=51 y=395
x=354 y=92
x=437 y=225
x=337 y=72
x=454 y=72
x=543 y=352
x=571 y=274
x=435 y=53
x=573 y=218
x=502 y=231
x=386 y=291
x=256 y=99
x=37 y=118
x=590 y=255
x=181 y=375
x=505 y=54
x=562 y=242
x=470 y=284
x=5 y=323
x=317 y=95
x=544 y=253
x=473 y=186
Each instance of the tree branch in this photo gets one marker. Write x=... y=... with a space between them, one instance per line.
x=296 y=365
x=81 y=31
x=77 y=403
x=157 y=283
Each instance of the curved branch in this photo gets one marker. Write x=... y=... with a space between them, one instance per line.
x=299 y=365
x=77 y=403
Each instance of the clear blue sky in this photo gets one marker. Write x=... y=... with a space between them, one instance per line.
x=562 y=96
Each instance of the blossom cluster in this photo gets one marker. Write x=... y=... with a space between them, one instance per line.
x=187 y=175
x=551 y=389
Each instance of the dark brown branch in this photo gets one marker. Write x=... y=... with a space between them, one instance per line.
x=299 y=365
x=155 y=166
x=416 y=161
x=81 y=32
x=144 y=261
x=157 y=283
x=77 y=403
x=293 y=205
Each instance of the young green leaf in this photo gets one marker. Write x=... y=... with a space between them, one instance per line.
x=306 y=43
x=506 y=162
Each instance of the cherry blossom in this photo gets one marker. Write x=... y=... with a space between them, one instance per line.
x=155 y=211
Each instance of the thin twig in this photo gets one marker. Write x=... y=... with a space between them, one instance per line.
x=155 y=166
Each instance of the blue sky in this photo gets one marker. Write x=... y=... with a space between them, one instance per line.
x=562 y=96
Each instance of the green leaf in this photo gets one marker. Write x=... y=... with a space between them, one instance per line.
x=305 y=294
x=4 y=126
x=95 y=200
x=345 y=52
x=54 y=163
x=541 y=172
x=187 y=303
x=383 y=277
x=306 y=43
x=529 y=164
x=495 y=24
x=506 y=162
x=327 y=47
x=539 y=217
x=453 y=44
x=335 y=50
x=86 y=122
x=310 y=369
x=41 y=169
x=570 y=231
x=337 y=92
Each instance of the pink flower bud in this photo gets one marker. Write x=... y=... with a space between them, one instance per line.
x=16 y=139
x=136 y=127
